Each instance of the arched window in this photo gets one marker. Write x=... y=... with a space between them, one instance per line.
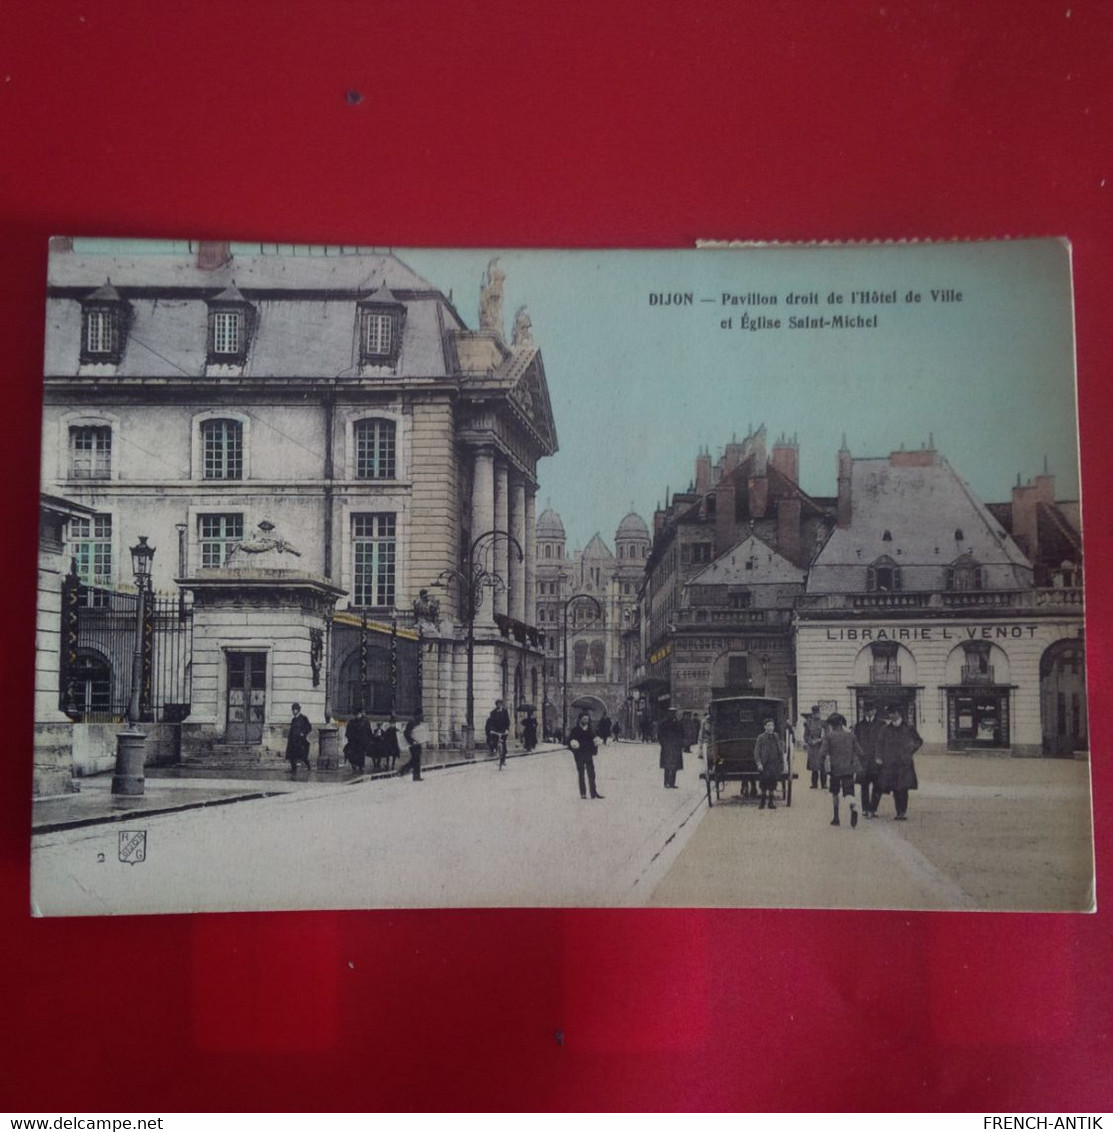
x=375 y=449
x=372 y=694
x=598 y=662
x=88 y=694
x=221 y=449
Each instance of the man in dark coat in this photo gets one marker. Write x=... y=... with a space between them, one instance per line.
x=604 y=728
x=670 y=734
x=769 y=754
x=377 y=746
x=581 y=742
x=498 y=728
x=297 y=742
x=357 y=740
x=868 y=733
x=391 y=747
x=529 y=730
x=690 y=729
x=813 y=737
x=896 y=746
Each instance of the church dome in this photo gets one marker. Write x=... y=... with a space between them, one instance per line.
x=549 y=525
x=633 y=526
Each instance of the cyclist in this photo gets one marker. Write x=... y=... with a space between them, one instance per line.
x=498 y=727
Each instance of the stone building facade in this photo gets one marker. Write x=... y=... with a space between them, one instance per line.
x=598 y=641
x=922 y=599
x=339 y=398
x=727 y=560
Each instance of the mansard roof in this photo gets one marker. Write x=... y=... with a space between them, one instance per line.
x=306 y=307
x=921 y=507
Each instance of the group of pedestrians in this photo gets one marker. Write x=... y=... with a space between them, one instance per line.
x=877 y=755
x=377 y=742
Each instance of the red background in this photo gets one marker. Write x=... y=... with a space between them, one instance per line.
x=537 y=124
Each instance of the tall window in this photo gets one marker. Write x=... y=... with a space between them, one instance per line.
x=227 y=332
x=218 y=534
x=91 y=547
x=374 y=549
x=98 y=332
x=222 y=449
x=90 y=452
x=375 y=449
x=378 y=334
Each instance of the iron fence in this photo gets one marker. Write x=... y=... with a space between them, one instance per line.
x=98 y=653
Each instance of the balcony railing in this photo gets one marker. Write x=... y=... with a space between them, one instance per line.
x=1067 y=599
x=704 y=615
x=884 y=674
x=974 y=674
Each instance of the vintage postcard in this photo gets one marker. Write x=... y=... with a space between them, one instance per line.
x=384 y=578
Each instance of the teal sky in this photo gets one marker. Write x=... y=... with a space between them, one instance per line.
x=637 y=389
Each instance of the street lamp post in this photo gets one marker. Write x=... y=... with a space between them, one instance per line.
x=564 y=649
x=131 y=742
x=473 y=597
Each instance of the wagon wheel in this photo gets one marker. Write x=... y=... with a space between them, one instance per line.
x=788 y=790
x=707 y=779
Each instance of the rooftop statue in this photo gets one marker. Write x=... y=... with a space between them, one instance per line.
x=490 y=297
x=523 y=328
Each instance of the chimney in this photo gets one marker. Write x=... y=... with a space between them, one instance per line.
x=788 y=529
x=703 y=473
x=846 y=462
x=786 y=458
x=758 y=487
x=212 y=254
x=724 y=514
x=1025 y=519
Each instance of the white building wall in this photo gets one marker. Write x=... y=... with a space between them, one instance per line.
x=827 y=653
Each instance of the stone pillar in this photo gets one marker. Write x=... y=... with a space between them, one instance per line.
x=518 y=610
x=530 y=547
x=483 y=510
x=500 y=546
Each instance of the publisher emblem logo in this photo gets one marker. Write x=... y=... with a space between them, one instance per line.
x=133 y=846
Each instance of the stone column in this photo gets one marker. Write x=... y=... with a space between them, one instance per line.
x=500 y=558
x=530 y=547
x=482 y=511
x=518 y=610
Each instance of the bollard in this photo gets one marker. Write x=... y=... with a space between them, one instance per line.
x=130 y=749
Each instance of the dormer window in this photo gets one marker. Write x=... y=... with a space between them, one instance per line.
x=965 y=574
x=231 y=320
x=380 y=328
x=883 y=576
x=103 y=326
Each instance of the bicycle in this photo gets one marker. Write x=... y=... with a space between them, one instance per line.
x=496 y=744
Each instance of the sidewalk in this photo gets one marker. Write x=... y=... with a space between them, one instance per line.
x=169 y=789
